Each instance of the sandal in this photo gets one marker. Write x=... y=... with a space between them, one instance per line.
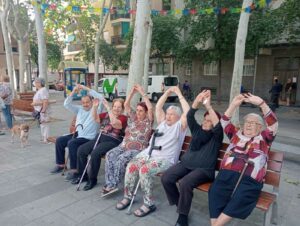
x=143 y=212
x=108 y=191
x=124 y=203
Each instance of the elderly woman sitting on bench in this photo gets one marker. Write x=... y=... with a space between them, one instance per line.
x=172 y=127
x=235 y=191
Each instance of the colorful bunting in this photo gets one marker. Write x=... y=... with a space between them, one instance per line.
x=217 y=10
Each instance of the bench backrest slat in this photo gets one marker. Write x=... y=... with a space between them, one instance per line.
x=272 y=178
x=23 y=105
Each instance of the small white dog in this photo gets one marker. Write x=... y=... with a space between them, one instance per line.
x=21 y=131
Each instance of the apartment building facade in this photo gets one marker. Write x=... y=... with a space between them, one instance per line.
x=15 y=52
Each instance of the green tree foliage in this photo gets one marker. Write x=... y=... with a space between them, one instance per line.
x=290 y=18
x=63 y=22
x=124 y=56
x=265 y=26
x=109 y=55
x=86 y=28
x=54 y=53
x=200 y=28
x=165 y=37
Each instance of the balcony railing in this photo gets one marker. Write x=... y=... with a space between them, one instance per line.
x=117 y=40
x=116 y=16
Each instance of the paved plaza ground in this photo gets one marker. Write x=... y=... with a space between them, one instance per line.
x=31 y=196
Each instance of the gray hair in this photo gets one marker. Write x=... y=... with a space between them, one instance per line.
x=40 y=80
x=176 y=109
x=257 y=116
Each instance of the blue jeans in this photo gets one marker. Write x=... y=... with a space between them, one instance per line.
x=7 y=116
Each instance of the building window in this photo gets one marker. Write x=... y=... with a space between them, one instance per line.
x=188 y=70
x=211 y=69
x=162 y=69
x=150 y=68
x=14 y=49
x=248 y=69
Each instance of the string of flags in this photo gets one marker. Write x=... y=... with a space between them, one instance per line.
x=121 y=11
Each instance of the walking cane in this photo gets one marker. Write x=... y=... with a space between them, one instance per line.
x=152 y=147
x=247 y=162
x=88 y=162
x=67 y=159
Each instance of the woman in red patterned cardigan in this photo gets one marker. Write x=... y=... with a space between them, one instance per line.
x=250 y=145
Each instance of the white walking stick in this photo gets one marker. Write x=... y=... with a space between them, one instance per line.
x=88 y=162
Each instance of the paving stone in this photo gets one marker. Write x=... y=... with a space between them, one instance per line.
x=46 y=205
x=53 y=219
x=12 y=218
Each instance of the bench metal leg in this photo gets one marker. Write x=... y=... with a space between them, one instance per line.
x=274 y=218
x=267 y=216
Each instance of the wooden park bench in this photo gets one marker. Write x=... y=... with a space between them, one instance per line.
x=26 y=96
x=267 y=201
x=22 y=108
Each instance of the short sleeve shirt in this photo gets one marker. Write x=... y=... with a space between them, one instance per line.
x=108 y=129
x=40 y=95
x=137 y=133
x=5 y=90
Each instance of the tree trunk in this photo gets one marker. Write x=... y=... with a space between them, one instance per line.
x=21 y=66
x=219 y=99
x=239 y=57
x=132 y=16
x=136 y=68
x=99 y=35
x=42 y=55
x=147 y=55
x=7 y=44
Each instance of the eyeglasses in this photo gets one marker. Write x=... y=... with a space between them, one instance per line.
x=251 y=123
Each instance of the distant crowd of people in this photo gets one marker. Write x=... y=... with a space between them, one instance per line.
x=134 y=153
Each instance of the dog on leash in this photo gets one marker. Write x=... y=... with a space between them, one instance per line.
x=21 y=131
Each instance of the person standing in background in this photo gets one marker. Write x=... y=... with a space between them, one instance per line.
x=288 y=91
x=6 y=95
x=41 y=104
x=275 y=93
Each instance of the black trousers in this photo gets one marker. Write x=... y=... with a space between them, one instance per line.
x=189 y=179
x=275 y=101
x=72 y=144
x=105 y=144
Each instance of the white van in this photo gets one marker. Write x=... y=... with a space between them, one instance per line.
x=158 y=84
x=113 y=86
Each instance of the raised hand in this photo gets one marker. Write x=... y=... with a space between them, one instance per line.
x=252 y=99
x=106 y=105
x=199 y=99
x=207 y=99
x=139 y=88
x=96 y=102
x=237 y=100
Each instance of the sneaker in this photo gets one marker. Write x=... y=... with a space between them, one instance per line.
x=57 y=169
x=71 y=176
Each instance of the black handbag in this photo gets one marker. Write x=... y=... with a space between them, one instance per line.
x=36 y=114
